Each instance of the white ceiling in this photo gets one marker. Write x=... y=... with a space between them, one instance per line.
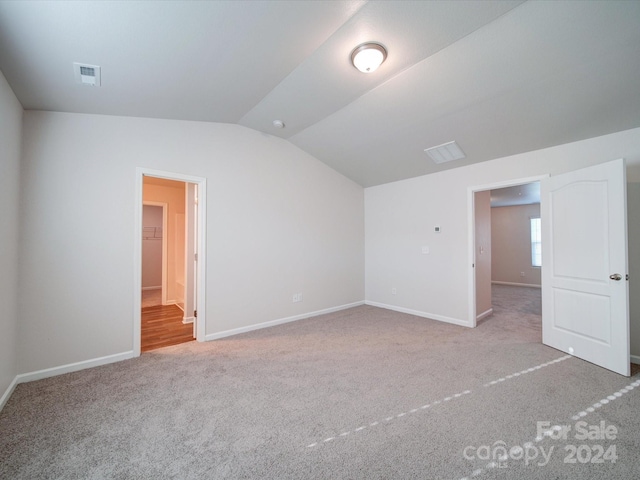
x=526 y=194
x=499 y=77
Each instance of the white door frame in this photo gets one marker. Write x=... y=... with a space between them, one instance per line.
x=471 y=219
x=190 y=255
x=141 y=172
x=165 y=209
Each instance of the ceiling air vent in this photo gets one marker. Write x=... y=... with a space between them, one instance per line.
x=87 y=74
x=445 y=152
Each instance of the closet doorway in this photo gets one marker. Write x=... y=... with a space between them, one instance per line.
x=164 y=317
x=168 y=256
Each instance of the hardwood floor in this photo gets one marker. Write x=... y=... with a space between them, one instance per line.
x=162 y=326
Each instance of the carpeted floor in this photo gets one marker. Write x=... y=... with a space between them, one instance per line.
x=151 y=298
x=364 y=393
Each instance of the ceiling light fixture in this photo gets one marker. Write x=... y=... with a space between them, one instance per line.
x=368 y=57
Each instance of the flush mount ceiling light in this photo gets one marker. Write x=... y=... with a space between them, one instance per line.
x=368 y=57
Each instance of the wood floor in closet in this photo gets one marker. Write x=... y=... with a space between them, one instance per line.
x=162 y=326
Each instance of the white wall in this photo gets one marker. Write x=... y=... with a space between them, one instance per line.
x=10 y=139
x=511 y=244
x=400 y=216
x=279 y=222
x=152 y=247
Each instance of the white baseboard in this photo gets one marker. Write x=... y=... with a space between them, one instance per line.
x=7 y=393
x=186 y=320
x=52 y=372
x=152 y=288
x=484 y=314
x=73 y=367
x=272 y=323
x=432 y=316
x=517 y=284
x=635 y=359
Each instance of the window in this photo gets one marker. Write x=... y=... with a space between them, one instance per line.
x=536 y=243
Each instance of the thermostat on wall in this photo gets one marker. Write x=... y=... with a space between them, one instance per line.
x=436 y=229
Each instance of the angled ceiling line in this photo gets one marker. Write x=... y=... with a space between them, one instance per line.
x=407 y=68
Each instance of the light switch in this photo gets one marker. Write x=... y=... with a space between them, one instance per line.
x=425 y=250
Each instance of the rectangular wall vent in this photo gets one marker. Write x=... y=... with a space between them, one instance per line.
x=445 y=152
x=87 y=74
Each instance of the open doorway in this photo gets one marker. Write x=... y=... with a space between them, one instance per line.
x=584 y=289
x=508 y=259
x=169 y=257
x=500 y=246
x=164 y=290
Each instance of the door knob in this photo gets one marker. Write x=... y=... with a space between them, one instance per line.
x=616 y=276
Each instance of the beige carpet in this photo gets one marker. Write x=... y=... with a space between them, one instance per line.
x=364 y=393
x=151 y=298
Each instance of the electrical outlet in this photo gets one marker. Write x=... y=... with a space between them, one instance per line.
x=393 y=291
x=297 y=297
x=522 y=274
x=425 y=249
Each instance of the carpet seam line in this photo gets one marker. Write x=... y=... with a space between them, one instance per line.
x=448 y=398
x=547 y=433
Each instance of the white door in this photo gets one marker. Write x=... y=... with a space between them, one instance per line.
x=585 y=309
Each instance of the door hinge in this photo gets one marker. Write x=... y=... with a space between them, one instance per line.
x=195 y=313
x=626 y=277
x=195 y=257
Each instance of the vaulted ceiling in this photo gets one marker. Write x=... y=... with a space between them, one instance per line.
x=499 y=77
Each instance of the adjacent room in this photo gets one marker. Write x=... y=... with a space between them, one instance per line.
x=348 y=239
